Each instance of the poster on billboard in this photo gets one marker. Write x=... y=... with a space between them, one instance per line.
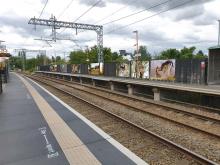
x=140 y=69
x=53 y=68
x=162 y=70
x=63 y=68
x=75 y=69
x=96 y=69
x=123 y=70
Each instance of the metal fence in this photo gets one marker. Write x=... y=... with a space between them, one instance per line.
x=191 y=71
x=0 y=83
x=84 y=69
x=214 y=66
x=110 y=69
x=183 y=71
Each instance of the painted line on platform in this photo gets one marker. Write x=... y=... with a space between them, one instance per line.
x=111 y=140
x=75 y=151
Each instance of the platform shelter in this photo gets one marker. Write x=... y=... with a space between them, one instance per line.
x=214 y=65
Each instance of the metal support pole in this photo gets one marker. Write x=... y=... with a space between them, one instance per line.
x=0 y=83
x=137 y=51
x=100 y=45
x=137 y=44
x=54 y=24
x=23 y=60
x=219 y=33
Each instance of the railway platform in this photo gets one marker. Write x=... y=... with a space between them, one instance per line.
x=202 y=95
x=206 y=89
x=36 y=127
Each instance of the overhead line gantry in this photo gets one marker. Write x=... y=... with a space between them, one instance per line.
x=52 y=22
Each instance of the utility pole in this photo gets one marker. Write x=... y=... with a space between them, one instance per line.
x=219 y=34
x=45 y=59
x=137 y=44
x=55 y=54
x=23 y=60
x=137 y=54
x=64 y=53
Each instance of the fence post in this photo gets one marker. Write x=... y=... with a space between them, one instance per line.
x=0 y=83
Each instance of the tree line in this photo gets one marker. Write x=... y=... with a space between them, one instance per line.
x=91 y=56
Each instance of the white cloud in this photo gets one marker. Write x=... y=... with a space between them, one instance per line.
x=190 y=25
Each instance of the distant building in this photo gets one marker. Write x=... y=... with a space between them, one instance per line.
x=126 y=56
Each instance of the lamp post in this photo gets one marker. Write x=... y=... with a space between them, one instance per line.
x=136 y=55
x=137 y=46
x=219 y=34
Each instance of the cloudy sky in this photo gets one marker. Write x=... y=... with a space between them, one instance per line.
x=161 y=24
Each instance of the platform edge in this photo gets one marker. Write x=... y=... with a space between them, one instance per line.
x=111 y=140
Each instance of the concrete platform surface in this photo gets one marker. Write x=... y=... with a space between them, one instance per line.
x=38 y=128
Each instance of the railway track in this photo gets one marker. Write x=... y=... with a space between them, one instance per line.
x=121 y=126
x=186 y=118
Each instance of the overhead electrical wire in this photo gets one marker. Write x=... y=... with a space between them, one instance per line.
x=118 y=10
x=65 y=9
x=113 y=13
x=127 y=16
x=95 y=4
x=154 y=6
x=122 y=27
x=43 y=8
x=84 y=13
x=110 y=15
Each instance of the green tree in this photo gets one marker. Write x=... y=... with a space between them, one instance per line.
x=53 y=59
x=169 y=54
x=91 y=56
x=145 y=55
x=107 y=53
x=59 y=60
x=184 y=53
x=15 y=62
x=40 y=59
x=31 y=64
x=187 y=53
x=200 y=55
x=78 y=57
x=116 y=57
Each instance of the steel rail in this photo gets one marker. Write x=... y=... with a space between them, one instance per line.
x=154 y=114
x=205 y=108
x=197 y=157
x=153 y=102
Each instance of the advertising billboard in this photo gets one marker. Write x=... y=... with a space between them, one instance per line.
x=63 y=68
x=75 y=69
x=140 y=69
x=162 y=70
x=96 y=69
x=123 y=70
x=53 y=68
